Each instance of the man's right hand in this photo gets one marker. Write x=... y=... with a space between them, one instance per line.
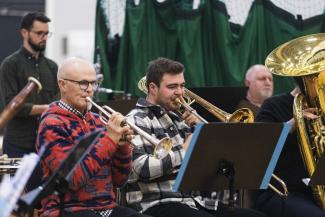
x=114 y=129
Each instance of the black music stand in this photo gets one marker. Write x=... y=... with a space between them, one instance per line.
x=58 y=180
x=318 y=177
x=231 y=156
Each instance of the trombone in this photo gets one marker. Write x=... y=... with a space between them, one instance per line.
x=186 y=106
x=243 y=115
x=162 y=147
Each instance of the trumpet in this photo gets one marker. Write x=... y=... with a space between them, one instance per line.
x=162 y=147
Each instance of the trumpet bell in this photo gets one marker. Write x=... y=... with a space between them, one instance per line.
x=163 y=147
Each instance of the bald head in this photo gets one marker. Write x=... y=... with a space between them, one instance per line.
x=77 y=80
x=74 y=67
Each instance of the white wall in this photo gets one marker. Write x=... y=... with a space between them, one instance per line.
x=73 y=20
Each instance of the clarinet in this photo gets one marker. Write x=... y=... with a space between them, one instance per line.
x=18 y=101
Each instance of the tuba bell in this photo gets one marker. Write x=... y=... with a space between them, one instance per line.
x=305 y=57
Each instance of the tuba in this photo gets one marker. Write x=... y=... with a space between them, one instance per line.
x=305 y=57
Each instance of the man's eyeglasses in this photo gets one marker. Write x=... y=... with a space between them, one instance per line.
x=42 y=34
x=83 y=84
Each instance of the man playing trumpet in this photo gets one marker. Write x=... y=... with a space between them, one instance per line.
x=107 y=165
x=149 y=188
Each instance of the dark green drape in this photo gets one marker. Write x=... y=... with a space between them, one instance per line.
x=101 y=42
x=214 y=52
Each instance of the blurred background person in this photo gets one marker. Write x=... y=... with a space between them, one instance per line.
x=259 y=81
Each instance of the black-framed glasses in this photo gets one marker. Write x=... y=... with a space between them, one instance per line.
x=83 y=84
x=42 y=34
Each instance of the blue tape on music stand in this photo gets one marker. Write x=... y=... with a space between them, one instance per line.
x=188 y=154
x=276 y=154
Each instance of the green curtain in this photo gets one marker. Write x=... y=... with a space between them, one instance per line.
x=214 y=51
x=102 y=42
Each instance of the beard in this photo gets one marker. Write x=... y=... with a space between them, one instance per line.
x=266 y=93
x=36 y=47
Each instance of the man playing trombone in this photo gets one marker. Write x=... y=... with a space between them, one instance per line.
x=106 y=166
x=149 y=188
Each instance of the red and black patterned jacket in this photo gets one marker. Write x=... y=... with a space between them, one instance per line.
x=106 y=166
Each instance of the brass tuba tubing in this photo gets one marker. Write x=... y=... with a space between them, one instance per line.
x=18 y=101
x=162 y=146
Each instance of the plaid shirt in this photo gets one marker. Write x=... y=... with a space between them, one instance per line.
x=152 y=179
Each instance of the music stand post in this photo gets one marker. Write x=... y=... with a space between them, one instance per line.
x=58 y=180
x=233 y=155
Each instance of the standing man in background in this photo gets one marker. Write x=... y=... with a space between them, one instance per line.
x=259 y=81
x=29 y=60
